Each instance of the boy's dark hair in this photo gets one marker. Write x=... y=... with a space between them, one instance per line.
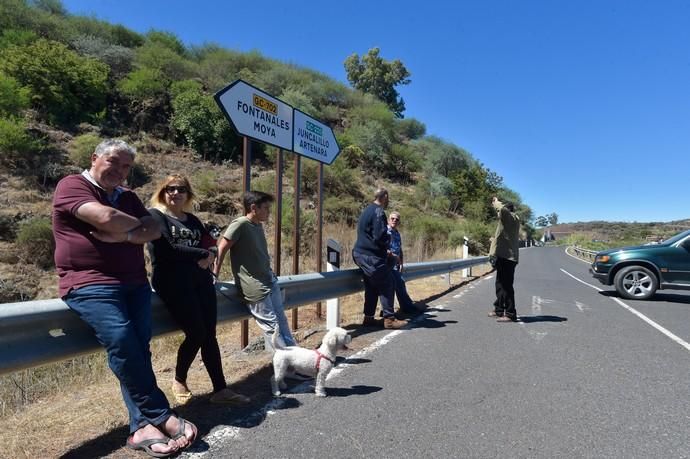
x=510 y=206
x=255 y=197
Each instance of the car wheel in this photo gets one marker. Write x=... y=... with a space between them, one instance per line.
x=636 y=283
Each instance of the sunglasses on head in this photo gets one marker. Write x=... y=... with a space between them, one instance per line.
x=170 y=189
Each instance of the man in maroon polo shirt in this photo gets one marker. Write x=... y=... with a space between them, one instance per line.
x=100 y=228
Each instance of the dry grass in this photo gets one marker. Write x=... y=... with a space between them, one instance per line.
x=84 y=415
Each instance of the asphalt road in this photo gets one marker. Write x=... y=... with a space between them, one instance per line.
x=580 y=376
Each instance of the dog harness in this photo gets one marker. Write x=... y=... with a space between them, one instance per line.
x=320 y=356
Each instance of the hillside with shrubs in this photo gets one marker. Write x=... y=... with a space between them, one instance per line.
x=67 y=82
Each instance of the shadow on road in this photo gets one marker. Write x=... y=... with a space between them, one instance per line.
x=350 y=361
x=354 y=390
x=427 y=321
x=533 y=319
x=659 y=297
x=431 y=298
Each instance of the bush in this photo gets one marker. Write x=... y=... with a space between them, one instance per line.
x=143 y=84
x=13 y=98
x=265 y=183
x=8 y=228
x=205 y=184
x=118 y=58
x=167 y=40
x=401 y=162
x=341 y=180
x=341 y=209
x=11 y=291
x=35 y=242
x=433 y=231
x=81 y=148
x=410 y=128
x=65 y=86
x=16 y=145
x=479 y=234
x=170 y=64
x=199 y=121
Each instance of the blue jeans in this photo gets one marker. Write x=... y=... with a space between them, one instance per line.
x=270 y=313
x=404 y=301
x=120 y=316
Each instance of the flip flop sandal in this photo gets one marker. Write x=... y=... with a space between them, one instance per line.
x=181 y=428
x=182 y=397
x=145 y=446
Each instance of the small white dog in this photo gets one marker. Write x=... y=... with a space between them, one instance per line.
x=312 y=362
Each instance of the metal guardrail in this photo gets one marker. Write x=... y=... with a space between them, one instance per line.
x=34 y=333
x=585 y=254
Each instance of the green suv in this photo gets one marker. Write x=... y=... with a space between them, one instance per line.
x=638 y=272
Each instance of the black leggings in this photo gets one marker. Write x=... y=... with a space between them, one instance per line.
x=190 y=297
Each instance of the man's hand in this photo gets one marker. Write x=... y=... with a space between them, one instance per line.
x=205 y=263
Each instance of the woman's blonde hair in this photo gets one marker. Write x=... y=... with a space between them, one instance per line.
x=158 y=200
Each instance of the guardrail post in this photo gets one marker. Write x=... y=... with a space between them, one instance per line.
x=465 y=254
x=332 y=264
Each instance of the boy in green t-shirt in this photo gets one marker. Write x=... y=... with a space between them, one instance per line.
x=251 y=266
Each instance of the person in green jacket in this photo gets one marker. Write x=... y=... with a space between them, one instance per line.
x=504 y=253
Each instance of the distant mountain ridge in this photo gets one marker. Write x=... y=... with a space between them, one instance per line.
x=612 y=231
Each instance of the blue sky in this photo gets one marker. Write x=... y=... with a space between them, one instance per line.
x=583 y=107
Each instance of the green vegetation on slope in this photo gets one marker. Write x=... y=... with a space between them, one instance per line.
x=67 y=81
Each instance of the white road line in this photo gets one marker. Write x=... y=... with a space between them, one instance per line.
x=649 y=321
x=581 y=306
x=536 y=305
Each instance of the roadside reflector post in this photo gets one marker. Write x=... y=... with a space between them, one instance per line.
x=332 y=264
x=467 y=272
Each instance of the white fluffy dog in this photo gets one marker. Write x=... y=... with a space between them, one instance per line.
x=312 y=362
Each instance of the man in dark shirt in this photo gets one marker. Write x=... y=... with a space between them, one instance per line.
x=99 y=229
x=370 y=253
x=505 y=250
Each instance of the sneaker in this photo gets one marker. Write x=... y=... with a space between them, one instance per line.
x=407 y=313
x=494 y=314
x=393 y=323
x=506 y=319
x=298 y=376
x=420 y=306
x=372 y=322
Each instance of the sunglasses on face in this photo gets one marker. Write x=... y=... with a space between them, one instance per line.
x=170 y=189
x=393 y=219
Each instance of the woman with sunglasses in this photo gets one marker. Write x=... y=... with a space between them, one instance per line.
x=182 y=278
